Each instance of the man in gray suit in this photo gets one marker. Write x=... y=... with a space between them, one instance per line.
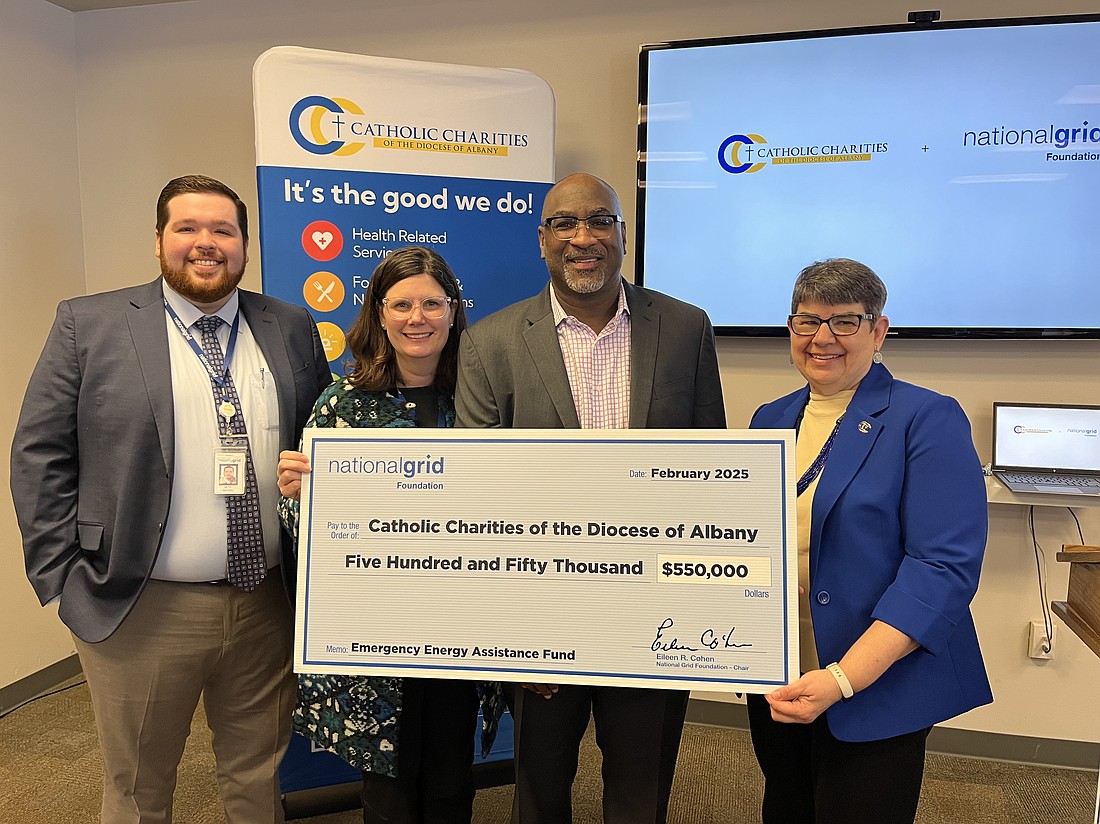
x=595 y=352
x=174 y=582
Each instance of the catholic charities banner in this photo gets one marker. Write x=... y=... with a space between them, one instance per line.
x=357 y=156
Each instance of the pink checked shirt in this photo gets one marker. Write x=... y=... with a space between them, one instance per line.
x=598 y=365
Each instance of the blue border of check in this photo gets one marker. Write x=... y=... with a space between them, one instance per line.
x=367 y=665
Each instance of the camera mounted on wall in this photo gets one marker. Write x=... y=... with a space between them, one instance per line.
x=924 y=18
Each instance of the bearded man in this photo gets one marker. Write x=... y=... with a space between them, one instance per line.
x=591 y=351
x=174 y=584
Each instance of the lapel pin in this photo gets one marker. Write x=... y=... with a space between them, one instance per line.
x=864 y=427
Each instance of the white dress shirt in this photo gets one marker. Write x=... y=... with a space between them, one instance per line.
x=194 y=545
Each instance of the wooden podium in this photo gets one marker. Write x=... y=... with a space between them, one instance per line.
x=1081 y=609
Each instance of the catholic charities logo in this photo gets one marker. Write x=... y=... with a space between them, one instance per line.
x=324 y=116
x=741 y=154
x=729 y=153
x=339 y=127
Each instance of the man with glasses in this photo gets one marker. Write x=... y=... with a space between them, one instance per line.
x=591 y=351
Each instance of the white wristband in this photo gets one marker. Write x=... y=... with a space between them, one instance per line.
x=842 y=681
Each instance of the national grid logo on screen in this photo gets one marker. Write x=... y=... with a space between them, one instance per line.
x=337 y=126
x=747 y=153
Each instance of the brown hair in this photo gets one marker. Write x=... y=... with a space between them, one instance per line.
x=199 y=184
x=374 y=364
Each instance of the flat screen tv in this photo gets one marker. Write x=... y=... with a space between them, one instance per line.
x=960 y=160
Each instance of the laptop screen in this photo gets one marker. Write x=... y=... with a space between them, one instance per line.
x=1046 y=437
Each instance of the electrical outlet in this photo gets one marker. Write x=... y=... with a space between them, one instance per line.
x=1038 y=645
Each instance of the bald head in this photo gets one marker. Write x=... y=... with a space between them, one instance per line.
x=580 y=182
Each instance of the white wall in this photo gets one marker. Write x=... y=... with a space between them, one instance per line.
x=41 y=262
x=166 y=90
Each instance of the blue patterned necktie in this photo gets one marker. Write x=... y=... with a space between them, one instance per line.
x=247 y=560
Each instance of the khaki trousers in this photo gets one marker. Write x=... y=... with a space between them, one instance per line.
x=181 y=641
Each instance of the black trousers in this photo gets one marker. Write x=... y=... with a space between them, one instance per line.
x=811 y=777
x=637 y=730
x=435 y=754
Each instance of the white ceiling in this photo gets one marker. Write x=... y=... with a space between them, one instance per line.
x=93 y=5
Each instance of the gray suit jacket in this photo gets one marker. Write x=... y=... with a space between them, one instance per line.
x=511 y=372
x=93 y=454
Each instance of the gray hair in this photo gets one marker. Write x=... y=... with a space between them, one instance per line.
x=837 y=281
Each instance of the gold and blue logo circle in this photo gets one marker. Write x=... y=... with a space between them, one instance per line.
x=730 y=150
x=318 y=107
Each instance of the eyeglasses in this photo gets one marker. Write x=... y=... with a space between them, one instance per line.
x=839 y=325
x=565 y=227
x=402 y=308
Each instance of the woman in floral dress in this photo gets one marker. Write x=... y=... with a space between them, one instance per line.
x=412 y=737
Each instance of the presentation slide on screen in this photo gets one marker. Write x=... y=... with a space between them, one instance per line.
x=962 y=165
x=1062 y=437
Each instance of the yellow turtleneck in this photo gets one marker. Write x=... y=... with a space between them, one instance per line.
x=818 y=421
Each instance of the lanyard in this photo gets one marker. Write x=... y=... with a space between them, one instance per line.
x=219 y=379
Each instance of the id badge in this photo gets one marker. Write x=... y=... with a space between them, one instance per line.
x=229 y=470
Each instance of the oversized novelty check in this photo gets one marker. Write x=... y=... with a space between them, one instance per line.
x=616 y=557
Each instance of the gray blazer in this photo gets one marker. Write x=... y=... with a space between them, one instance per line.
x=93 y=454
x=511 y=372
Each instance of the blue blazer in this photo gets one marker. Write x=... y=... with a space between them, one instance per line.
x=898 y=533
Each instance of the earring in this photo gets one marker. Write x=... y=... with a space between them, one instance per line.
x=877 y=357
x=791 y=359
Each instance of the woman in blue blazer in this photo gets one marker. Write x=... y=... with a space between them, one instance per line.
x=891 y=532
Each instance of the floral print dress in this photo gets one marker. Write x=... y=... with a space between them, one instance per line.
x=359 y=717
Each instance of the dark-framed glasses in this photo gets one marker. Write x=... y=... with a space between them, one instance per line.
x=565 y=227
x=402 y=308
x=839 y=325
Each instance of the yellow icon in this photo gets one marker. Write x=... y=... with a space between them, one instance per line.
x=332 y=339
x=323 y=291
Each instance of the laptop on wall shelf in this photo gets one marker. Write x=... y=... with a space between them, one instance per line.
x=1049 y=448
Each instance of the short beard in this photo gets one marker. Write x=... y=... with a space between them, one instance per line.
x=584 y=285
x=202 y=292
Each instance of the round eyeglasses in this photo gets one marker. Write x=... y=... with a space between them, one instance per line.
x=839 y=325
x=565 y=227
x=402 y=308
